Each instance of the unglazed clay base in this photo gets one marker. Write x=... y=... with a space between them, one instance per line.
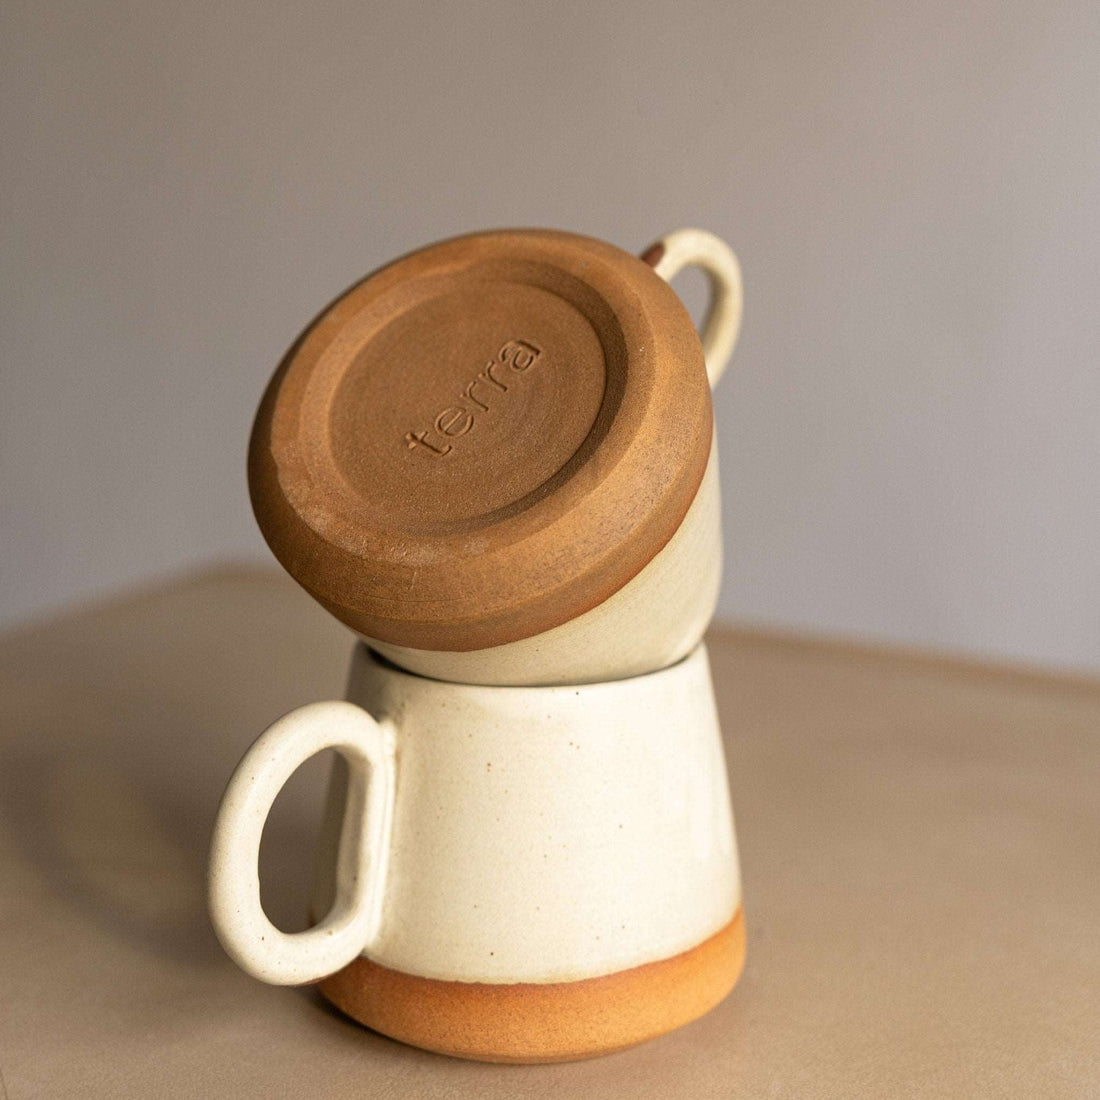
x=484 y=439
x=542 y=1022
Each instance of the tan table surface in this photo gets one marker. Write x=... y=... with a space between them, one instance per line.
x=920 y=843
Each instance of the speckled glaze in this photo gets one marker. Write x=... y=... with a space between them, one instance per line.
x=494 y=834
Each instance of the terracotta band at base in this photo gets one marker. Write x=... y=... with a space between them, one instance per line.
x=536 y=1022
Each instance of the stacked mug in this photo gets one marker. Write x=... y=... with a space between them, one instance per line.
x=494 y=460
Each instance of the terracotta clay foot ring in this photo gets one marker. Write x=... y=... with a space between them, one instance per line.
x=534 y=1022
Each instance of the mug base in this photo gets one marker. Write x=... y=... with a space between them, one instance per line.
x=542 y=1022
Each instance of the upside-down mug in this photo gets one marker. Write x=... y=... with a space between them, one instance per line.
x=507 y=874
x=494 y=458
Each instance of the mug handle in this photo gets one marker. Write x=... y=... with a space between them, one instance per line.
x=670 y=254
x=250 y=939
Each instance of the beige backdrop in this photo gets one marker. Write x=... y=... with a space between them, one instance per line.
x=910 y=438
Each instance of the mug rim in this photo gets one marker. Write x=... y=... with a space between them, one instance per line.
x=364 y=651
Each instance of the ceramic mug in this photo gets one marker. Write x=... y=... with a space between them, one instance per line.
x=509 y=874
x=582 y=541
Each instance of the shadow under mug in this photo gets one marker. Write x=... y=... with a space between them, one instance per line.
x=509 y=874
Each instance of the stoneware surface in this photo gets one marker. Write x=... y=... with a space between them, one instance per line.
x=515 y=837
x=571 y=440
x=915 y=835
